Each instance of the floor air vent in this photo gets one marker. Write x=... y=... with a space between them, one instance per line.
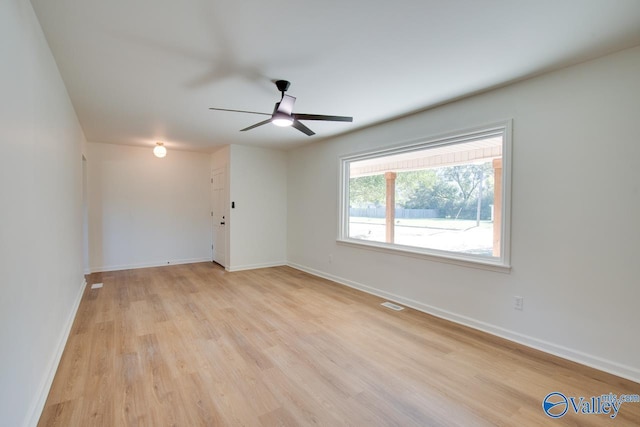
x=392 y=306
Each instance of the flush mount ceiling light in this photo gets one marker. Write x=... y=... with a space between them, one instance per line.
x=159 y=150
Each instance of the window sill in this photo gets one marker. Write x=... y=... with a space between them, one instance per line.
x=429 y=254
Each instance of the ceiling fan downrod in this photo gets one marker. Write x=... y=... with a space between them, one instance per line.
x=283 y=86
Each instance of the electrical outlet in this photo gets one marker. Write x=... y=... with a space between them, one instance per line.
x=518 y=303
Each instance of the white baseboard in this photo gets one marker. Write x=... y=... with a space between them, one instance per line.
x=101 y=269
x=35 y=411
x=255 y=266
x=577 y=356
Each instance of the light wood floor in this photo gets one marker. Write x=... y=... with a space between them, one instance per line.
x=193 y=345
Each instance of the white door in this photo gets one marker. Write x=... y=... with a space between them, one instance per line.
x=219 y=202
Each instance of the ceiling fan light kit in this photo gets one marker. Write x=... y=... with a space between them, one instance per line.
x=283 y=114
x=281 y=119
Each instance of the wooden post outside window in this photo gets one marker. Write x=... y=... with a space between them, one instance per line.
x=390 y=178
x=497 y=205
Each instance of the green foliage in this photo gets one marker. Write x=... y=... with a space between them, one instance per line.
x=365 y=191
x=407 y=183
x=452 y=191
x=441 y=196
x=467 y=178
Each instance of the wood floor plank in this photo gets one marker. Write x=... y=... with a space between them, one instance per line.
x=194 y=345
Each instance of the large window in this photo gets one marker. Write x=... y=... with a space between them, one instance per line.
x=446 y=197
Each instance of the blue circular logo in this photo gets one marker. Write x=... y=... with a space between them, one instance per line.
x=555 y=404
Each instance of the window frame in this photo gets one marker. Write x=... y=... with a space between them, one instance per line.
x=502 y=263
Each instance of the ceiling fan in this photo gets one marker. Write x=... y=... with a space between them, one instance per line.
x=283 y=114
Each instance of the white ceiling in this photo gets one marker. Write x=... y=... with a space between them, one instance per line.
x=140 y=71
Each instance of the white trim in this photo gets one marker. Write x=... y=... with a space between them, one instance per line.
x=148 y=264
x=462 y=135
x=255 y=266
x=561 y=351
x=455 y=258
x=504 y=128
x=37 y=406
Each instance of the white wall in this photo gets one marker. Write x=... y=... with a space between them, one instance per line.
x=575 y=216
x=258 y=224
x=145 y=211
x=41 y=279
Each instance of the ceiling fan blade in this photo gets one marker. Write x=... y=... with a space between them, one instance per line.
x=256 y=125
x=298 y=116
x=302 y=128
x=286 y=104
x=239 y=111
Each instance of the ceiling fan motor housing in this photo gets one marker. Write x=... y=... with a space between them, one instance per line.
x=282 y=85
